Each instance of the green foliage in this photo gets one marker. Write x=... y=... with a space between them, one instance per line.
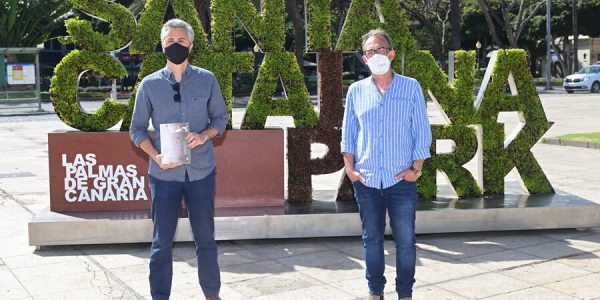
x=279 y=65
x=151 y=64
x=456 y=101
x=223 y=64
x=498 y=160
x=463 y=182
x=360 y=20
x=147 y=33
x=63 y=90
x=121 y=22
x=319 y=26
x=268 y=30
x=29 y=23
x=585 y=137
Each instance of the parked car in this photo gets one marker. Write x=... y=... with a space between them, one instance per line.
x=587 y=79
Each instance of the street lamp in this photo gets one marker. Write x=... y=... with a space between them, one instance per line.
x=478 y=46
x=548 y=44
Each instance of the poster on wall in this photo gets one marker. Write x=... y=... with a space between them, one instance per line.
x=20 y=74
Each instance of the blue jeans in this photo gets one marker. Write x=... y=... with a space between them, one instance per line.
x=166 y=205
x=400 y=201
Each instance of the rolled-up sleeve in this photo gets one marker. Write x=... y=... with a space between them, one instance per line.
x=217 y=109
x=142 y=110
x=421 y=131
x=349 y=125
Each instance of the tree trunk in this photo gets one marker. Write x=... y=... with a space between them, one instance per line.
x=291 y=7
x=575 y=38
x=485 y=8
x=455 y=24
x=203 y=9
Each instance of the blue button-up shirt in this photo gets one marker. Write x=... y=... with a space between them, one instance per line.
x=202 y=106
x=385 y=133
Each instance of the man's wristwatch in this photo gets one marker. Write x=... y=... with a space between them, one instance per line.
x=416 y=171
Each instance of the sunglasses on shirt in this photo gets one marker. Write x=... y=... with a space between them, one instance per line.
x=177 y=96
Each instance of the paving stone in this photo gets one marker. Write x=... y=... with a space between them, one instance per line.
x=436 y=273
x=462 y=250
x=484 y=285
x=501 y=260
x=435 y=292
x=318 y=259
x=587 y=261
x=273 y=284
x=554 y=250
x=241 y=272
x=583 y=287
x=336 y=273
x=547 y=272
x=313 y=292
x=10 y=287
x=534 y=293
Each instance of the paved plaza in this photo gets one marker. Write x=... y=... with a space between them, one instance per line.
x=544 y=264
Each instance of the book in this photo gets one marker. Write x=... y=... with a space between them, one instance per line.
x=173 y=143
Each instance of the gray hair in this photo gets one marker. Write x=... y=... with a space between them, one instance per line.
x=376 y=32
x=177 y=23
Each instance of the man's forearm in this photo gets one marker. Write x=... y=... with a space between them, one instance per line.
x=146 y=146
x=418 y=164
x=210 y=132
x=349 y=161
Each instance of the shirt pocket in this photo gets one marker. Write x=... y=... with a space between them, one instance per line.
x=402 y=110
x=200 y=104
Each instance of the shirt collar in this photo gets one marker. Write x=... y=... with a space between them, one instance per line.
x=169 y=74
x=394 y=80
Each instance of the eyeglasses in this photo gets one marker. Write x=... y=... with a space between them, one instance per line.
x=177 y=96
x=371 y=52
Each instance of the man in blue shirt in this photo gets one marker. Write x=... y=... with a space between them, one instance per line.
x=385 y=139
x=181 y=93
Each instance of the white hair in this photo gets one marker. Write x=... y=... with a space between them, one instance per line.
x=177 y=23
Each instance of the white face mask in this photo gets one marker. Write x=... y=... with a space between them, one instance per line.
x=379 y=64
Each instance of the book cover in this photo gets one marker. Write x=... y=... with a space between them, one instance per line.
x=174 y=147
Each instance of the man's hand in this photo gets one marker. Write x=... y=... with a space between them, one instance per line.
x=196 y=139
x=354 y=176
x=158 y=160
x=408 y=175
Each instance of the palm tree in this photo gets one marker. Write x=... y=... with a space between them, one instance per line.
x=29 y=23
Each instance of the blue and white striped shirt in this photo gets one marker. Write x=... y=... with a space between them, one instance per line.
x=386 y=133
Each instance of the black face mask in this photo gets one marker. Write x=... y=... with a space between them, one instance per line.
x=177 y=53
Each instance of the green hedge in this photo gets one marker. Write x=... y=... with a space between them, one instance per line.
x=267 y=29
x=222 y=64
x=122 y=24
x=147 y=33
x=462 y=180
x=328 y=132
x=63 y=90
x=359 y=21
x=498 y=161
x=457 y=102
x=318 y=28
x=261 y=105
x=151 y=64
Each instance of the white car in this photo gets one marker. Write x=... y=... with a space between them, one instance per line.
x=587 y=79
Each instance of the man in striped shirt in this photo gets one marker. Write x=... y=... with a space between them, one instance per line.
x=385 y=139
